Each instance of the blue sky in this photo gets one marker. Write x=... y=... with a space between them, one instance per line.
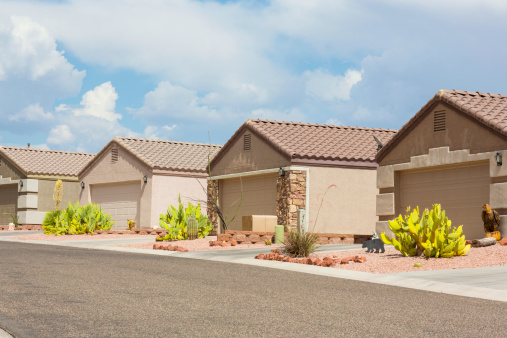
x=76 y=73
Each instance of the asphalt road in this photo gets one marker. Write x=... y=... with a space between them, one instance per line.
x=49 y=291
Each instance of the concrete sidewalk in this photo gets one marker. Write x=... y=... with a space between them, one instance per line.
x=485 y=283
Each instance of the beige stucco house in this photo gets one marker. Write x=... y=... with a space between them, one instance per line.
x=28 y=177
x=280 y=167
x=450 y=153
x=137 y=179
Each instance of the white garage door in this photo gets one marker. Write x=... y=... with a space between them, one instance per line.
x=259 y=197
x=461 y=190
x=8 y=202
x=120 y=201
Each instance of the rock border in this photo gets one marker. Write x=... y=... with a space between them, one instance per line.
x=327 y=261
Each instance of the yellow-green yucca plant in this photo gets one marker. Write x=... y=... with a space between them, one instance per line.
x=429 y=233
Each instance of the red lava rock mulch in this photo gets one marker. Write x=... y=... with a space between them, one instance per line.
x=201 y=244
x=393 y=262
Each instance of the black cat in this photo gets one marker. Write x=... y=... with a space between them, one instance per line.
x=374 y=244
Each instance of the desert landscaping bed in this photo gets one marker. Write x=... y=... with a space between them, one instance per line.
x=51 y=238
x=201 y=244
x=391 y=261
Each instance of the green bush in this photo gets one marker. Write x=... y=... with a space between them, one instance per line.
x=75 y=220
x=300 y=244
x=430 y=234
x=175 y=221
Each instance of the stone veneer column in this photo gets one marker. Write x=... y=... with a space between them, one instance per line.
x=290 y=196
x=212 y=212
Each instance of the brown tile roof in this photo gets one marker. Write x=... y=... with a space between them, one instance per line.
x=313 y=143
x=488 y=109
x=46 y=162
x=169 y=155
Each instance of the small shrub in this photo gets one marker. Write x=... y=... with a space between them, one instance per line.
x=175 y=221
x=268 y=242
x=430 y=234
x=300 y=244
x=15 y=219
x=75 y=220
x=131 y=224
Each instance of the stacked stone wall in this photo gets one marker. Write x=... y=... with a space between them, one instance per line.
x=213 y=194
x=290 y=196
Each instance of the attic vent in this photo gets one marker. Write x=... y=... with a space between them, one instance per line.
x=439 y=121
x=247 y=142
x=114 y=155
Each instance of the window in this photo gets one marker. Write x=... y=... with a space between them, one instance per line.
x=439 y=121
x=247 y=142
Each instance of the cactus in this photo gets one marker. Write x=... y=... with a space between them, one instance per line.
x=430 y=234
x=192 y=228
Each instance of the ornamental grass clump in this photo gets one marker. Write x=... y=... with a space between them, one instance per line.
x=429 y=233
x=300 y=244
x=75 y=220
x=176 y=222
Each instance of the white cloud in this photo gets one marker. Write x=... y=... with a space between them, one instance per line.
x=293 y=115
x=328 y=87
x=170 y=101
x=169 y=128
x=99 y=102
x=334 y=122
x=33 y=73
x=33 y=112
x=60 y=135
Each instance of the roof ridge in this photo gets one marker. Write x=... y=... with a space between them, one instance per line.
x=322 y=125
x=47 y=150
x=469 y=93
x=164 y=141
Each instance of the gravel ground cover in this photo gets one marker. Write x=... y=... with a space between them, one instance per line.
x=42 y=237
x=391 y=261
x=201 y=244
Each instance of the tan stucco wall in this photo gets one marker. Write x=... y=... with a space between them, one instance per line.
x=126 y=169
x=8 y=170
x=236 y=160
x=461 y=133
x=167 y=188
x=347 y=209
x=70 y=193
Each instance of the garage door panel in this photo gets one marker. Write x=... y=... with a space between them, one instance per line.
x=461 y=190
x=8 y=202
x=118 y=200
x=259 y=197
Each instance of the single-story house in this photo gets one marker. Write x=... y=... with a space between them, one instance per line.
x=280 y=167
x=27 y=181
x=137 y=179
x=450 y=152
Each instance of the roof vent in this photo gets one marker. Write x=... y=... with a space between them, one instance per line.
x=114 y=155
x=439 y=121
x=247 y=142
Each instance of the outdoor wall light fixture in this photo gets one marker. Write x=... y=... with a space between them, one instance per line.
x=20 y=184
x=498 y=158
x=281 y=172
x=82 y=184
x=145 y=179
